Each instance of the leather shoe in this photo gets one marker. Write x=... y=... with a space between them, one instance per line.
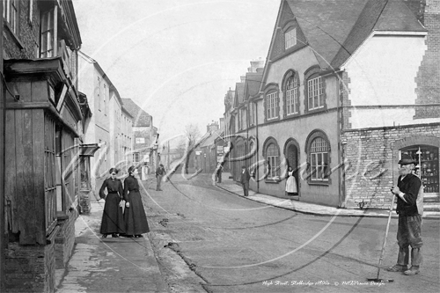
x=397 y=268
x=412 y=271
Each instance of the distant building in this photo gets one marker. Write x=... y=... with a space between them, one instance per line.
x=144 y=136
x=110 y=124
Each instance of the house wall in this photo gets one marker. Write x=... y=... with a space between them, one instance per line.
x=378 y=77
x=371 y=160
x=30 y=268
x=299 y=129
x=23 y=44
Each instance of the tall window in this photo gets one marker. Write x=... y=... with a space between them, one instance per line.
x=47 y=37
x=290 y=38
x=319 y=155
x=315 y=93
x=292 y=94
x=10 y=14
x=273 y=158
x=271 y=105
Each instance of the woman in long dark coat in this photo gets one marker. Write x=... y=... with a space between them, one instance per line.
x=135 y=218
x=112 y=217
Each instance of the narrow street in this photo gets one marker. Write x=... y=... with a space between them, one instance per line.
x=232 y=244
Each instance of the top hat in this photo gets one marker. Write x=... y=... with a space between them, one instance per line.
x=407 y=159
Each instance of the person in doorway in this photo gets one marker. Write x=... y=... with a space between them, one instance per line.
x=244 y=179
x=410 y=219
x=112 y=217
x=160 y=172
x=291 y=188
x=135 y=218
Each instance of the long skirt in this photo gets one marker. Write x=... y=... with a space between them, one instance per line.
x=135 y=218
x=112 y=217
x=291 y=185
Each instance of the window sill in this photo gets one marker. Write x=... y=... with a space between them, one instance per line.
x=272 y=180
x=319 y=183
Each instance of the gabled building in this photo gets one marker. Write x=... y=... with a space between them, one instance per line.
x=44 y=143
x=144 y=137
x=110 y=124
x=341 y=99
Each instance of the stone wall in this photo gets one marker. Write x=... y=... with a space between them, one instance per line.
x=65 y=239
x=30 y=268
x=370 y=161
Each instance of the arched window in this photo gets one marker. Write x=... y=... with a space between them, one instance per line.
x=319 y=159
x=292 y=95
x=273 y=160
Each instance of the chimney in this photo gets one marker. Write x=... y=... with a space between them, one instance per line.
x=242 y=78
x=256 y=64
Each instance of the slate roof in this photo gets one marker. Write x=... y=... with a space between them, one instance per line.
x=140 y=117
x=252 y=83
x=239 y=93
x=335 y=29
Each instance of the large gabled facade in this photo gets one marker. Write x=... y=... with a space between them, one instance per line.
x=339 y=102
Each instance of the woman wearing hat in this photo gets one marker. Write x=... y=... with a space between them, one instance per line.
x=112 y=218
x=410 y=219
x=135 y=219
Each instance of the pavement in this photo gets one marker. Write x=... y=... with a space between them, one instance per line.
x=115 y=265
x=111 y=264
x=290 y=203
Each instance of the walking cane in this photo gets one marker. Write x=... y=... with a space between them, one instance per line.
x=377 y=279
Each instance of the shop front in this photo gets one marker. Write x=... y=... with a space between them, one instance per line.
x=428 y=166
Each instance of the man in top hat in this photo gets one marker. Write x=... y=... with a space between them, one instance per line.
x=410 y=219
x=244 y=179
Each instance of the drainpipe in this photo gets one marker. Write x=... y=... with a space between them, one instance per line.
x=257 y=173
x=2 y=159
x=341 y=169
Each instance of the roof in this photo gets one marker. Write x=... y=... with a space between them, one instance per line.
x=252 y=83
x=210 y=140
x=102 y=72
x=140 y=117
x=335 y=29
x=239 y=93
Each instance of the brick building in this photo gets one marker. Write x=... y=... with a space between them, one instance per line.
x=348 y=86
x=45 y=117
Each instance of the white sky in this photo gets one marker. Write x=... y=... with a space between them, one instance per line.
x=176 y=58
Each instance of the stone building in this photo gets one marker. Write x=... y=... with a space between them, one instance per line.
x=348 y=86
x=45 y=117
x=110 y=124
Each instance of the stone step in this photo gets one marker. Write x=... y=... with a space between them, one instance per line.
x=431 y=197
x=431 y=207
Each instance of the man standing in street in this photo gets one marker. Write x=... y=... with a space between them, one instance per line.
x=160 y=171
x=244 y=179
x=410 y=219
x=219 y=172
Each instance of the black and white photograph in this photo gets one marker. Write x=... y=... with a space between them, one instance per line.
x=220 y=146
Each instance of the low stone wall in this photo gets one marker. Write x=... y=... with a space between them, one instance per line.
x=30 y=268
x=65 y=239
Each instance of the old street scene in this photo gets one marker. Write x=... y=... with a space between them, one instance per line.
x=220 y=146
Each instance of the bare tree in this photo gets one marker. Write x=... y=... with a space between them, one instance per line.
x=192 y=136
